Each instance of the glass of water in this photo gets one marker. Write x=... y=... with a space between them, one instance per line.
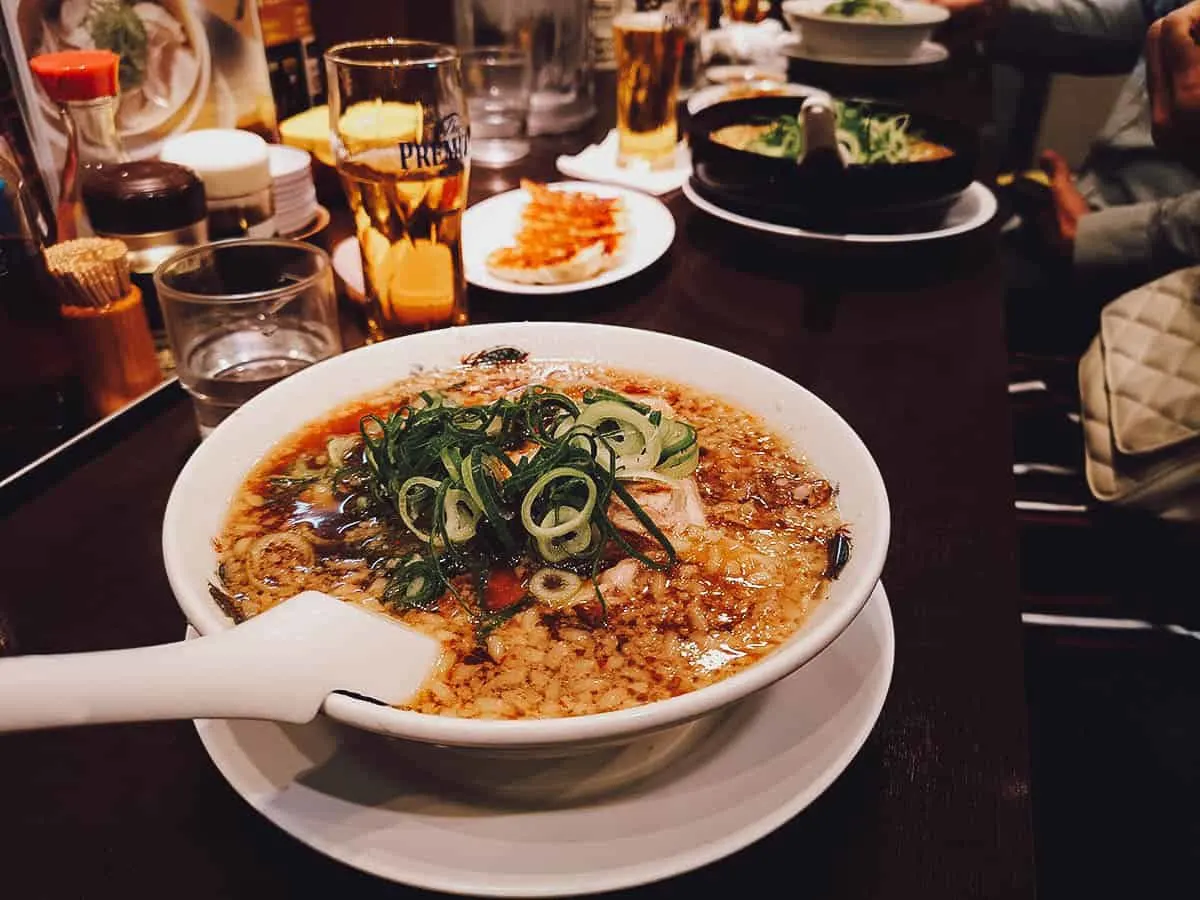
x=244 y=314
x=498 y=81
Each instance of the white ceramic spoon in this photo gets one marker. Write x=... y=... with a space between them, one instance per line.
x=279 y=665
x=821 y=148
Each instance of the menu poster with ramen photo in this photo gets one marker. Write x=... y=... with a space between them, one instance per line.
x=185 y=64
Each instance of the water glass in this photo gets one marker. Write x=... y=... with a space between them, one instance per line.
x=242 y=315
x=557 y=36
x=497 y=81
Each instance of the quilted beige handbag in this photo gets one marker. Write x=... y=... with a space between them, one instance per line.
x=1139 y=383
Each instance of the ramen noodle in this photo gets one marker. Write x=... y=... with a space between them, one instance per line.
x=580 y=539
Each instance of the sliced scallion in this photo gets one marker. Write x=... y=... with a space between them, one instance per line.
x=554 y=587
x=404 y=502
x=573 y=543
x=462 y=515
x=632 y=436
x=582 y=515
x=682 y=464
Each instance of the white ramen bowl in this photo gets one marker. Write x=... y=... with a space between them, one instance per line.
x=838 y=36
x=200 y=500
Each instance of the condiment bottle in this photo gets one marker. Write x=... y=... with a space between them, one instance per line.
x=19 y=252
x=17 y=147
x=235 y=167
x=84 y=84
x=34 y=359
x=155 y=208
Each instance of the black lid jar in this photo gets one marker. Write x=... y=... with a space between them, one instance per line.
x=156 y=208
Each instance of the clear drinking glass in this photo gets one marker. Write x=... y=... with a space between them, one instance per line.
x=497 y=81
x=400 y=140
x=244 y=314
x=650 y=45
x=557 y=35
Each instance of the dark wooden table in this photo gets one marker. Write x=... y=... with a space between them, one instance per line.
x=909 y=347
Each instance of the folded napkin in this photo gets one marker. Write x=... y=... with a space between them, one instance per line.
x=598 y=162
x=761 y=43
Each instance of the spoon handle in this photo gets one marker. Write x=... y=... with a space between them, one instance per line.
x=222 y=676
x=279 y=665
x=822 y=155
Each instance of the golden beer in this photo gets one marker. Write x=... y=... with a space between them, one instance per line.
x=401 y=143
x=409 y=226
x=745 y=10
x=649 y=48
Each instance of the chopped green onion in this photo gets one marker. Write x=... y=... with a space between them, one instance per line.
x=676 y=436
x=584 y=511
x=637 y=446
x=452 y=461
x=682 y=464
x=446 y=471
x=554 y=587
x=573 y=543
x=414 y=583
x=403 y=503
x=462 y=516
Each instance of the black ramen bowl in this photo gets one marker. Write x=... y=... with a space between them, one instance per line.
x=799 y=193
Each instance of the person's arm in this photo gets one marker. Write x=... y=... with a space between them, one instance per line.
x=1085 y=37
x=1148 y=238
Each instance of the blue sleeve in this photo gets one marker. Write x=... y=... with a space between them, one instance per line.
x=1085 y=37
x=1142 y=239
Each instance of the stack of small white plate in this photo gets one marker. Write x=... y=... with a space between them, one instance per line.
x=293 y=188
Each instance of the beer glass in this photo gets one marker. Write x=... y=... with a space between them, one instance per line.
x=649 y=45
x=745 y=10
x=400 y=140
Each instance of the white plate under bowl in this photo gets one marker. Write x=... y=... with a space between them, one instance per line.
x=974 y=208
x=930 y=53
x=772 y=757
x=493 y=223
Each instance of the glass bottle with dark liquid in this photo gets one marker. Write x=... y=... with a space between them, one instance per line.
x=39 y=401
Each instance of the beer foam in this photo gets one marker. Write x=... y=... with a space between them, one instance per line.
x=650 y=20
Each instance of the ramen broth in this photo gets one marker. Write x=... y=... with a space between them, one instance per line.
x=748 y=535
x=863 y=138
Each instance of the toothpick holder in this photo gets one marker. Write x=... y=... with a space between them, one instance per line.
x=114 y=351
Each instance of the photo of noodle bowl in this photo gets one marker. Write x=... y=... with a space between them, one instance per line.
x=165 y=67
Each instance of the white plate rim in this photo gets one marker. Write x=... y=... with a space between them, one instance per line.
x=651 y=233
x=878 y=681
x=929 y=53
x=987 y=211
